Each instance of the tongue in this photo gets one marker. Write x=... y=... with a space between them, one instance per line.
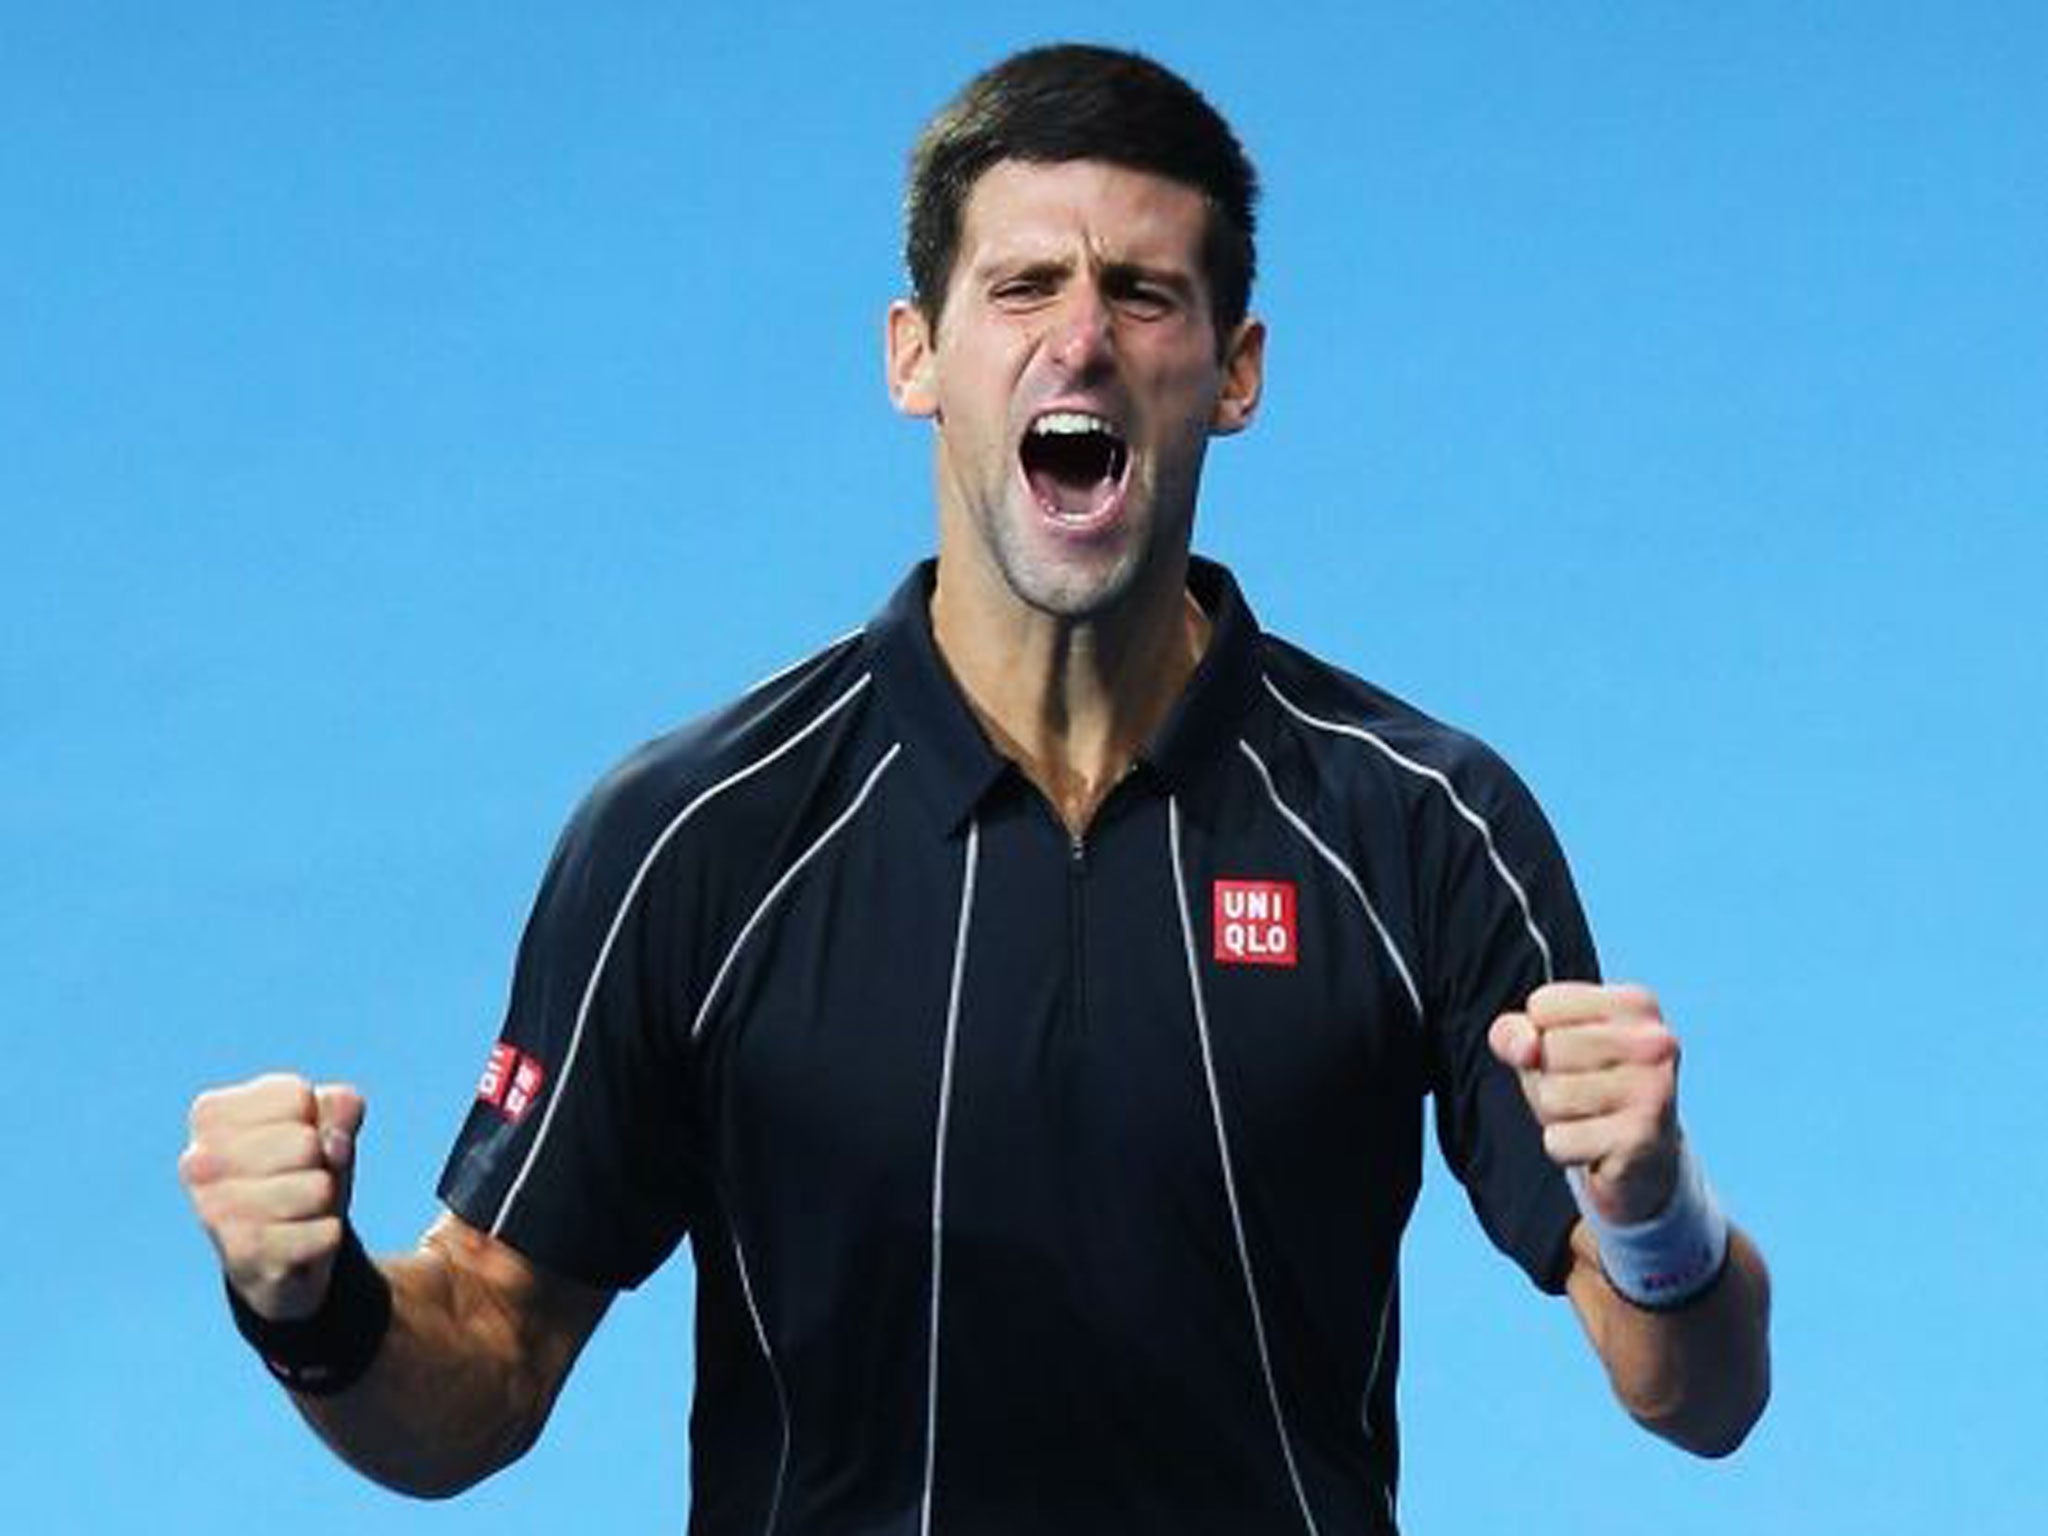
x=1068 y=495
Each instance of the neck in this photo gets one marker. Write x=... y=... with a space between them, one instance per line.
x=1071 y=702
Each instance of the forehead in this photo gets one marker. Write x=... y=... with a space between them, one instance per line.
x=1027 y=209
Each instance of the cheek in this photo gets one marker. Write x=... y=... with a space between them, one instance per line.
x=1182 y=408
x=978 y=384
x=1184 y=386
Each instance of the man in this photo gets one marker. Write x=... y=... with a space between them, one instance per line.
x=1025 y=1006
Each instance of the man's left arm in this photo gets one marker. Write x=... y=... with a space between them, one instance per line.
x=1687 y=1348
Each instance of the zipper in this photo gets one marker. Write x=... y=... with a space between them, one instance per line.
x=1077 y=926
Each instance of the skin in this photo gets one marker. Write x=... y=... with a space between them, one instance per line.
x=1077 y=286
x=1598 y=1066
x=481 y=1341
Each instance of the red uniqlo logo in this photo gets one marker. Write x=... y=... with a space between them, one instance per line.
x=511 y=1082
x=497 y=1074
x=1255 y=922
x=526 y=1081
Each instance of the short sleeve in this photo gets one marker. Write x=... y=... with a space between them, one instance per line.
x=1505 y=920
x=577 y=1149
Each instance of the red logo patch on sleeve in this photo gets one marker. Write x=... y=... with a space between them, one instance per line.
x=511 y=1081
x=1255 y=922
x=526 y=1081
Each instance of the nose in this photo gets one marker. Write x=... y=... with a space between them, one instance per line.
x=1083 y=340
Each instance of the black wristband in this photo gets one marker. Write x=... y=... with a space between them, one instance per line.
x=329 y=1349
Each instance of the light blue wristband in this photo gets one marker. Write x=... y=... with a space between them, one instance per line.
x=1666 y=1261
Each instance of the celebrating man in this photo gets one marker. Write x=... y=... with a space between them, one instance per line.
x=1025 y=1006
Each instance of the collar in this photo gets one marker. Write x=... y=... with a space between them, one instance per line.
x=953 y=763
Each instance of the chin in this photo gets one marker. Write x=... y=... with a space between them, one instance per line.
x=1072 y=590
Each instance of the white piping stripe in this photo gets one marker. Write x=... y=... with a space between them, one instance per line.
x=1350 y=877
x=739 y=1259
x=604 y=951
x=1436 y=776
x=931 y=1395
x=1244 y=1257
x=803 y=661
x=1379 y=1346
x=824 y=837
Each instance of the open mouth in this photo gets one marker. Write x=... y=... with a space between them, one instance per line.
x=1075 y=462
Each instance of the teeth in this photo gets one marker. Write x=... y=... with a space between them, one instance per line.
x=1072 y=424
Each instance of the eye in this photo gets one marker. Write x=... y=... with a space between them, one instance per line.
x=1014 y=291
x=1144 y=298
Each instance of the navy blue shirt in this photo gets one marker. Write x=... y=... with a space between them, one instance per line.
x=1035 y=1183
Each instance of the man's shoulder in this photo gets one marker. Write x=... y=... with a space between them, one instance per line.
x=1332 y=709
x=1385 y=764
x=667 y=779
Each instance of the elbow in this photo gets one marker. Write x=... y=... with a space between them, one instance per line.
x=1717 y=1435
x=426 y=1491
x=1713 y=1424
x=431 y=1488
x=433 y=1469
x=434 y=1480
x=1716 y=1376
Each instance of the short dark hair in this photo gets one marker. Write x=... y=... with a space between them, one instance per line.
x=1075 y=101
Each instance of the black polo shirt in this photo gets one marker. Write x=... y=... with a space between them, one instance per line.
x=1035 y=1184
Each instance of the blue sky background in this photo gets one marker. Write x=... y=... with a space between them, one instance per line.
x=405 y=410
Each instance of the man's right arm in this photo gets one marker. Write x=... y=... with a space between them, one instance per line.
x=480 y=1341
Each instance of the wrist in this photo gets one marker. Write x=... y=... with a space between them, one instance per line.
x=332 y=1347
x=1674 y=1256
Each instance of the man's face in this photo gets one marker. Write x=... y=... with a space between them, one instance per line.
x=1075 y=379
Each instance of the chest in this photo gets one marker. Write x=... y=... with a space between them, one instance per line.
x=1075 y=1027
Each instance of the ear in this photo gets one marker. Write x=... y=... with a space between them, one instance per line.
x=1244 y=377
x=911 y=361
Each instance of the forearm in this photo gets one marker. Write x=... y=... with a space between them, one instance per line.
x=463 y=1381
x=1698 y=1375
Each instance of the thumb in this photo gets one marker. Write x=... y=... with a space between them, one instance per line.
x=1516 y=1042
x=341 y=1111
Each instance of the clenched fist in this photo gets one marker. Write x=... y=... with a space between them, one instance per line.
x=1599 y=1068
x=268 y=1170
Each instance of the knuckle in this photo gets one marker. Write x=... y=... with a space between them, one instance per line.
x=300 y=1145
x=273 y=1095
x=1660 y=1089
x=1650 y=1043
x=321 y=1191
x=1636 y=998
x=210 y=1107
x=288 y=1094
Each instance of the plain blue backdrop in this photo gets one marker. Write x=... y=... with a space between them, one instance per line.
x=406 y=410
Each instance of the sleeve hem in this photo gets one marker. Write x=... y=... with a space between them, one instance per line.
x=1544 y=1246
x=538 y=1234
